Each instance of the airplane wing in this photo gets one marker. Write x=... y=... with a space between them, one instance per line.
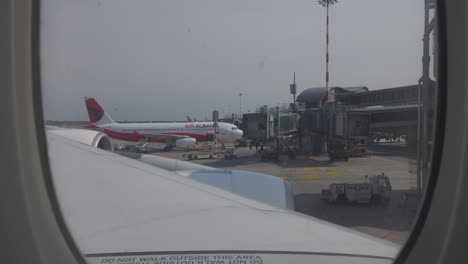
x=258 y=186
x=121 y=210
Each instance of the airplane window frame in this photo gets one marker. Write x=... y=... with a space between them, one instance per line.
x=439 y=136
x=432 y=179
x=39 y=120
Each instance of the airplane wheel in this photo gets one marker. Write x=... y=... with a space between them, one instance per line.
x=168 y=148
x=195 y=157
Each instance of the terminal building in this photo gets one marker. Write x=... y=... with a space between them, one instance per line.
x=357 y=114
x=314 y=122
x=357 y=117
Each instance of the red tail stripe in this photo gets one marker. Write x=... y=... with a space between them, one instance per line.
x=95 y=111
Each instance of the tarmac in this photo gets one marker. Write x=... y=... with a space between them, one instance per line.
x=308 y=175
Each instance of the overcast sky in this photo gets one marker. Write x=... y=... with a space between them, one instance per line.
x=163 y=60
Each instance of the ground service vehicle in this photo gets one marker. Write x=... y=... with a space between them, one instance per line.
x=199 y=155
x=376 y=190
x=337 y=150
x=230 y=153
x=269 y=154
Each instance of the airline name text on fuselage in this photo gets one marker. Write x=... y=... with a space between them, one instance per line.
x=199 y=125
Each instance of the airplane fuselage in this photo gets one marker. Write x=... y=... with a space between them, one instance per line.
x=201 y=131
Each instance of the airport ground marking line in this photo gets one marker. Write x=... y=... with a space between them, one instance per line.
x=311 y=177
x=314 y=168
x=387 y=159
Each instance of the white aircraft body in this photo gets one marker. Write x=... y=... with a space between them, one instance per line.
x=121 y=210
x=182 y=135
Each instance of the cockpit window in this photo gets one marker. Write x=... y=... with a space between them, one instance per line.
x=333 y=105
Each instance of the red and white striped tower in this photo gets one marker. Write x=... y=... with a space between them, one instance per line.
x=327 y=3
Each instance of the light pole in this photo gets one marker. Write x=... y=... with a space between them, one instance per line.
x=327 y=3
x=240 y=105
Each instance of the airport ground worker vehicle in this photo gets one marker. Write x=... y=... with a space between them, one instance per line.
x=269 y=154
x=375 y=190
x=338 y=150
x=200 y=155
x=230 y=153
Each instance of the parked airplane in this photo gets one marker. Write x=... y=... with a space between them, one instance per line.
x=182 y=135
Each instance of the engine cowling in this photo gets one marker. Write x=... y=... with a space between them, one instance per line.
x=186 y=143
x=89 y=137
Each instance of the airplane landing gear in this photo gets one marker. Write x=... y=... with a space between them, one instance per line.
x=168 y=148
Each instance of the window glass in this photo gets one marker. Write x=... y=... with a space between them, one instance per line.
x=331 y=106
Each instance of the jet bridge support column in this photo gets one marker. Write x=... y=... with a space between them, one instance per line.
x=426 y=100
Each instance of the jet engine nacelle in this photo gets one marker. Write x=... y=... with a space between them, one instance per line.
x=89 y=137
x=187 y=143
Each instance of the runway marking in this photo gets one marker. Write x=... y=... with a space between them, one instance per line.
x=393 y=233
x=314 y=168
x=332 y=173
x=387 y=159
x=389 y=233
x=311 y=177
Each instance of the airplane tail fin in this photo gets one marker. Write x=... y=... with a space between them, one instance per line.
x=97 y=115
